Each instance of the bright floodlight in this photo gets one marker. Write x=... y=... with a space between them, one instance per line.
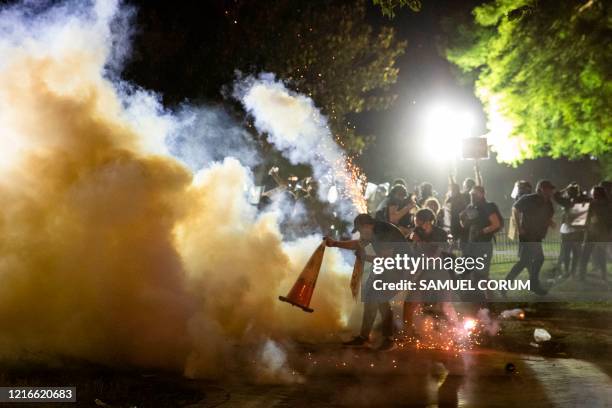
x=444 y=130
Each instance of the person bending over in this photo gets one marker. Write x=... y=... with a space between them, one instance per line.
x=386 y=240
x=430 y=241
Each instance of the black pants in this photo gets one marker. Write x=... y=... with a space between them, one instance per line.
x=598 y=250
x=531 y=256
x=571 y=248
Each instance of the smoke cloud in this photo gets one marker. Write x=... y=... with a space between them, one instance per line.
x=210 y=134
x=112 y=249
x=296 y=127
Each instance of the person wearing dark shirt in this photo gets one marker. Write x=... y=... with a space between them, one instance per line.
x=521 y=188
x=430 y=241
x=572 y=201
x=598 y=228
x=386 y=239
x=482 y=220
x=454 y=204
x=534 y=214
x=397 y=209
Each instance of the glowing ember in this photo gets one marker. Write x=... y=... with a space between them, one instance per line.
x=439 y=333
x=469 y=324
x=352 y=183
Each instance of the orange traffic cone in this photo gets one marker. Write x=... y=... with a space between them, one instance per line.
x=302 y=289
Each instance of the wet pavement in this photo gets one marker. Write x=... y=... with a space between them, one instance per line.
x=337 y=377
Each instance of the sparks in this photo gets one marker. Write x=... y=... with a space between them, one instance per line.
x=469 y=324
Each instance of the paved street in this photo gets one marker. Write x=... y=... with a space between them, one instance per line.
x=422 y=379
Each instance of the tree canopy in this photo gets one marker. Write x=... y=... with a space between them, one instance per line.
x=388 y=7
x=542 y=70
x=324 y=49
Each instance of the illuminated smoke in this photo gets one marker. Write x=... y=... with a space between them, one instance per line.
x=296 y=127
x=111 y=249
x=274 y=367
x=209 y=134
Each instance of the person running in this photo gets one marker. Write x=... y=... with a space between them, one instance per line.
x=598 y=229
x=534 y=214
x=386 y=240
x=521 y=188
x=482 y=220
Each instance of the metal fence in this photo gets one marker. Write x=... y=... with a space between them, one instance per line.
x=505 y=250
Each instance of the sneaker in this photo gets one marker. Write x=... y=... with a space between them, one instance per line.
x=358 y=341
x=387 y=345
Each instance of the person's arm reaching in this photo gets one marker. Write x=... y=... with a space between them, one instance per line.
x=478 y=175
x=562 y=200
x=351 y=244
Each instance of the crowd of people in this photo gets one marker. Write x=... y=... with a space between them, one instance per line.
x=466 y=223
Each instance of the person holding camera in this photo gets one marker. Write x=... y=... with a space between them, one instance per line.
x=397 y=209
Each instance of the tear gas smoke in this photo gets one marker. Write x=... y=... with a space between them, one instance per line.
x=295 y=126
x=274 y=365
x=111 y=250
x=209 y=134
